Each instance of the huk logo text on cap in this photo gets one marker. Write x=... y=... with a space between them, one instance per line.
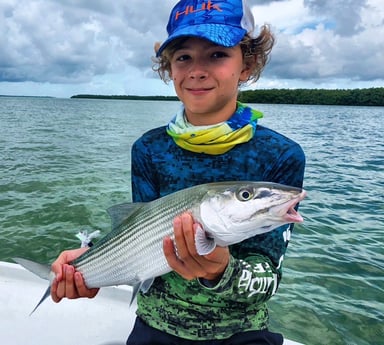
x=205 y=6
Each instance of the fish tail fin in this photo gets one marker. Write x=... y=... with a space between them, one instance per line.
x=41 y=270
x=46 y=294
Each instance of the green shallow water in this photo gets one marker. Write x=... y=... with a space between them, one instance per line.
x=63 y=162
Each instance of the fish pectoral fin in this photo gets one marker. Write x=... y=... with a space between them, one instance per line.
x=204 y=245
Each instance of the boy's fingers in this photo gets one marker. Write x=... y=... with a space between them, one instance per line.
x=70 y=288
x=82 y=289
x=54 y=296
x=173 y=260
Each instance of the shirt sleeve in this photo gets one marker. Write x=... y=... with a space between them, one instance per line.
x=143 y=174
x=255 y=268
x=254 y=278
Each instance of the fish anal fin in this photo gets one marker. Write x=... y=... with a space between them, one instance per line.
x=145 y=286
x=204 y=245
x=135 y=290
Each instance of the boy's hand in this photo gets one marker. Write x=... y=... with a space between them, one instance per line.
x=69 y=283
x=187 y=262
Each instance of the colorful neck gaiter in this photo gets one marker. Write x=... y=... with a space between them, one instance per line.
x=215 y=139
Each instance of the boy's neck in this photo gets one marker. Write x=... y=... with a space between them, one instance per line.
x=204 y=119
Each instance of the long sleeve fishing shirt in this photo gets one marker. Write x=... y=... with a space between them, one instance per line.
x=188 y=309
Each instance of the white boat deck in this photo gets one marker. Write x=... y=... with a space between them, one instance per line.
x=105 y=320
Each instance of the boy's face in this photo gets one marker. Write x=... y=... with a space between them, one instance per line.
x=206 y=78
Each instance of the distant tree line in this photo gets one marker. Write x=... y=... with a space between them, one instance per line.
x=129 y=97
x=359 y=97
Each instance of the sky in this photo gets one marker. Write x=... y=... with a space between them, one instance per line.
x=61 y=48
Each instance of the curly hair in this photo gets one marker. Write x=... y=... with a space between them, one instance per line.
x=256 y=54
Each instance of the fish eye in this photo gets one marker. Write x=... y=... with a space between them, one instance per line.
x=244 y=194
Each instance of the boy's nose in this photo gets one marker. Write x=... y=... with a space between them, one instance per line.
x=197 y=76
x=198 y=71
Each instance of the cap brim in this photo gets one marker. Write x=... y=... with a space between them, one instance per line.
x=223 y=35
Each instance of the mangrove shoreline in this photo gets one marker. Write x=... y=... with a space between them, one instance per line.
x=353 y=97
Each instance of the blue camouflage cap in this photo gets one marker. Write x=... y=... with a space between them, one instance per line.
x=224 y=22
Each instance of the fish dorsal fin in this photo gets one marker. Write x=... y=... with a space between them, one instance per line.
x=119 y=213
x=204 y=245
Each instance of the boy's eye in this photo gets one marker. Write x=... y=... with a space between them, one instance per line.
x=219 y=54
x=186 y=57
x=183 y=57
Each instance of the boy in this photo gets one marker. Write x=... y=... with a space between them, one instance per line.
x=218 y=298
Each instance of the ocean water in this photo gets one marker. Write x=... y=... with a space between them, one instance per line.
x=63 y=162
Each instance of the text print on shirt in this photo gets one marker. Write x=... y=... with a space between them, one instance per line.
x=260 y=285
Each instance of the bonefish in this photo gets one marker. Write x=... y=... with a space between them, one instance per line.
x=132 y=253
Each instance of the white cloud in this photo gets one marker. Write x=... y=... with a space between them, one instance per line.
x=333 y=43
x=64 y=47
x=286 y=16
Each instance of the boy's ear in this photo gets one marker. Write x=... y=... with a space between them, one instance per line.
x=156 y=46
x=248 y=67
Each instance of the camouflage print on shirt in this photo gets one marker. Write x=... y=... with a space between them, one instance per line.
x=188 y=309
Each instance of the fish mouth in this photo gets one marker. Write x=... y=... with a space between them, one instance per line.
x=288 y=212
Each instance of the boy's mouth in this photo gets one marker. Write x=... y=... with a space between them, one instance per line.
x=199 y=90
